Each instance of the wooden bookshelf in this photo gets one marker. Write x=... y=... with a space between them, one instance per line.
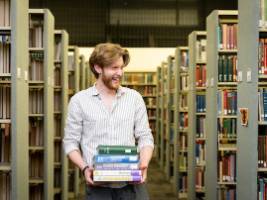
x=180 y=168
x=41 y=50
x=73 y=87
x=145 y=84
x=221 y=101
x=14 y=90
x=61 y=39
x=82 y=69
x=163 y=108
x=158 y=113
x=196 y=114
x=169 y=102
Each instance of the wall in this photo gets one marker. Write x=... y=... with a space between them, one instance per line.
x=142 y=59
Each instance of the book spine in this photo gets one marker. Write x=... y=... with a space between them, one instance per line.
x=116 y=178
x=117 y=173
x=116 y=159
x=117 y=151
x=116 y=166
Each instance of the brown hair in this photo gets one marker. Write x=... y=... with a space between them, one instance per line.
x=105 y=54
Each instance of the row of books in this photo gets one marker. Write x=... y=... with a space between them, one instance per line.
x=200 y=177
x=36 y=33
x=263 y=13
x=200 y=126
x=182 y=183
x=227 y=194
x=57 y=126
x=227 y=36
x=5 y=186
x=37 y=192
x=262 y=61
x=58 y=49
x=200 y=152
x=227 y=68
x=184 y=60
x=36 y=101
x=150 y=101
x=5 y=102
x=57 y=151
x=262 y=98
x=5 y=144
x=36 y=134
x=262 y=188
x=262 y=149
x=201 y=54
x=145 y=90
x=57 y=101
x=36 y=70
x=57 y=178
x=5 y=55
x=36 y=165
x=227 y=128
x=4 y=13
x=57 y=75
x=200 y=103
x=200 y=75
x=136 y=78
x=227 y=167
x=184 y=81
x=183 y=143
x=183 y=120
x=151 y=113
x=227 y=102
x=183 y=102
x=71 y=81
x=183 y=161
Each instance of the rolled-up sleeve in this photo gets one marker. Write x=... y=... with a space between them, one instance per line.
x=141 y=125
x=73 y=126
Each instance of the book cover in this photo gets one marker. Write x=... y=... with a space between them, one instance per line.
x=117 y=150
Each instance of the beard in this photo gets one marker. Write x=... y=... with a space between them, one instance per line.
x=111 y=82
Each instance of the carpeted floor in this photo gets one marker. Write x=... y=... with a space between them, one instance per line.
x=158 y=187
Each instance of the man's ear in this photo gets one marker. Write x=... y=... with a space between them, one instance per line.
x=98 y=69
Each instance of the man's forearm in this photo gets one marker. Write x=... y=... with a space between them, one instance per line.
x=145 y=155
x=76 y=157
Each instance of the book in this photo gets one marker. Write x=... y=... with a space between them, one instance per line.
x=116 y=159
x=117 y=173
x=116 y=166
x=117 y=150
x=116 y=178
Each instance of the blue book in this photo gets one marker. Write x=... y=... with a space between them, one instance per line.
x=116 y=159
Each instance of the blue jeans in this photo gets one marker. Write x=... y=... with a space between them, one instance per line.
x=128 y=192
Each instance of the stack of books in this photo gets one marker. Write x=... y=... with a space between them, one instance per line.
x=116 y=164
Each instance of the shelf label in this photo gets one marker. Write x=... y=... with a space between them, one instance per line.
x=211 y=82
x=19 y=73
x=26 y=75
x=244 y=116
x=239 y=77
x=249 y=75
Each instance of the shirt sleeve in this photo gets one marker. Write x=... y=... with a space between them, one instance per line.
x=73 y=127
x=141 y=125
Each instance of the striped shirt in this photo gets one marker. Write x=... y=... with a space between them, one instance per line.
x=90 y=123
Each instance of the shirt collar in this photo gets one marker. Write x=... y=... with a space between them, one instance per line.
x=94 y=92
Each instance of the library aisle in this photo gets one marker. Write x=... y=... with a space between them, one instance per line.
x=157 y=185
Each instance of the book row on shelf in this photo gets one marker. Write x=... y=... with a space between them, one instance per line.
x=211 y=116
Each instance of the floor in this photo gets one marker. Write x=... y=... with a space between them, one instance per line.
x=158 y=187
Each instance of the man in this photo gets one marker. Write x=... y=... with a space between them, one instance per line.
x=108 y=114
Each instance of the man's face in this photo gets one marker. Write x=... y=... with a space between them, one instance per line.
x=111 y=75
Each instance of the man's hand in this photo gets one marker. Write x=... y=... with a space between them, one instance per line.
x=88 y=175
x=143 y=168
